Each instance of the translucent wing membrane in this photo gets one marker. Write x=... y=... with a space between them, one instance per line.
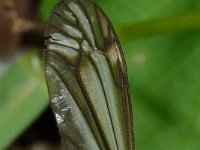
x=86 y=77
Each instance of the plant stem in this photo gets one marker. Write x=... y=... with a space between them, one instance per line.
x=165 y=25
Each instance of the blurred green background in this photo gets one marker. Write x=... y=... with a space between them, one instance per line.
x=161 y=44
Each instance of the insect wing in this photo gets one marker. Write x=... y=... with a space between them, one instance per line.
x=86 y=77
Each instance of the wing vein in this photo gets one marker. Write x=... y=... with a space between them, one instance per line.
x=100 y=79
x=67 y=34
x=64 y=19
x=85 y=93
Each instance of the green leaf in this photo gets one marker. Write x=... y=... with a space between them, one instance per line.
x=46 y=7
x=132 y=11
x=164 y=75
x=23 y=96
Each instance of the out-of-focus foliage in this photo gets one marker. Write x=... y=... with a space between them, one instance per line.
x=46 y=7
x=164 y=78
x=23 y=96
x=163 y=74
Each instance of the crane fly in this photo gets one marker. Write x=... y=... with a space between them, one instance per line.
x=87 y=78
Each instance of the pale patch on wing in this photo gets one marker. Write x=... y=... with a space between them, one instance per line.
x=70 y=54
x=59 y=39
x=85 y=46
x=113 y=59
